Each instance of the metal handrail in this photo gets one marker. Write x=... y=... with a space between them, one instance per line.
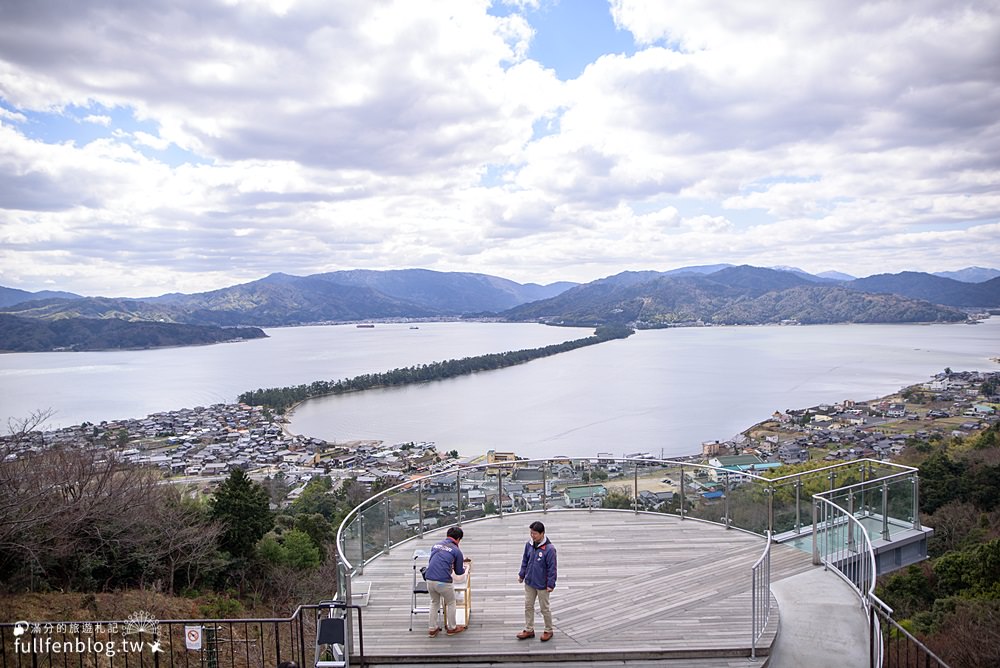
x=274 y=638
x=881 y=649
x=348 y=567
x=859 y=567
x=760 y=596
x=905 y=468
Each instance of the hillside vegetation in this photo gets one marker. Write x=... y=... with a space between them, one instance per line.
x=732 y=296
x=952 y=600
x=33 y=335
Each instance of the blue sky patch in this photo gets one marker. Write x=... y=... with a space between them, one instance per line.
x=82 y=125
x=571 y=34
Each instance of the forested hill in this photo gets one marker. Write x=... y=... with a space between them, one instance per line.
x=716 y=294
x=282 y=398
x=731 y=296
x=33 y=335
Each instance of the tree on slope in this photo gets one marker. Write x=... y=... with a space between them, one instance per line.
x=242 y=507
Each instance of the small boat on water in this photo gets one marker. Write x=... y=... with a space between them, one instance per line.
x=365 y=326
x=414 y=327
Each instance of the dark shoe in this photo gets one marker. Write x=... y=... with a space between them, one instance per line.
x=524 y=635
x=454 y=631
x=434 y=632
x=547 y=635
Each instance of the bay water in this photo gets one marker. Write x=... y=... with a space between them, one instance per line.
x=659 y=391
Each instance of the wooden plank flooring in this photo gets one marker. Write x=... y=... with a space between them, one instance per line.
x=631 y=587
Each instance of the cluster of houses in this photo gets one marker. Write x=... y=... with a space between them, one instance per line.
x=203 y=444
x=950 y=405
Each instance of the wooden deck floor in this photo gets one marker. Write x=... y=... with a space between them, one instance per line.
x=631 y=587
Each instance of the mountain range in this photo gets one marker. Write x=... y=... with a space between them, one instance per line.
x=708 y=294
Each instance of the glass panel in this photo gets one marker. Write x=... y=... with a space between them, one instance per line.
x=664 y=483
x=900 y=504
x=351 y=537
x=524 y=485
x=748 y=502
x=569 y=484
x=619 y=488
x=441 y=501
x=374 y=529
x=404 y=506
x=704 y=493
x=504 y=499
x=787 y=515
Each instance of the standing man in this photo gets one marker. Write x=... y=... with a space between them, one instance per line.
x=538 y=573
x=445 y=559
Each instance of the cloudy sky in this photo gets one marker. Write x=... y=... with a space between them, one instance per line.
x=186 y=145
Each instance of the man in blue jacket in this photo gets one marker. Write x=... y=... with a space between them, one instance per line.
x=538 y=573
x=446 y=558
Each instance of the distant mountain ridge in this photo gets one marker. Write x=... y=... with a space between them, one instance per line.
x=733 y=295
x=970 y=274
x=11 y=296
x=707 y=294
x=282 y=299
x=936 y=289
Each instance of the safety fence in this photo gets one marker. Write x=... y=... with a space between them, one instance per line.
x=143 y=642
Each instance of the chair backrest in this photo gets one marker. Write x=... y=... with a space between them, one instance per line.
x=331 y=631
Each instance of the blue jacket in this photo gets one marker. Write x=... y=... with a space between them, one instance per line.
x=538 y=565
x=445 y=558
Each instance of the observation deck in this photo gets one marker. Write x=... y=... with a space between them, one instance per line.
x=659 y=561
x=642 y=588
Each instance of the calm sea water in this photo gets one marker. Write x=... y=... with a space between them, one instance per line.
x=661 y=391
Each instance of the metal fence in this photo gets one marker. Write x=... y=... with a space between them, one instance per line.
x=893 y=646
x=761 y=596
x=175 y=643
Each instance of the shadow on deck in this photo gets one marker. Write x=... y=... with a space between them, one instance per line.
x=632 y=587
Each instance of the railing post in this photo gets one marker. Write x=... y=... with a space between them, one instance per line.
x=816 y=560
x=915 y=481
x=458 y=491
x=545 y=485
x=682 y=492
x=861 y=470
x=420 y=506
x=361 y=541
x=770 y=508
x=388 y=524
x=500 y=490
x=798 y=502
x=885 y=511
x=635 y=488
x=349 y=632
x=850 y=525
x=725 y=500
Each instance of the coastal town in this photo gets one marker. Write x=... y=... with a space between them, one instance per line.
x=200 y=446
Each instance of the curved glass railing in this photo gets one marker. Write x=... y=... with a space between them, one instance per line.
x=882 y=495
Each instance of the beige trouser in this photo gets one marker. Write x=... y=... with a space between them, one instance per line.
x=441 y=591
x=530 y=594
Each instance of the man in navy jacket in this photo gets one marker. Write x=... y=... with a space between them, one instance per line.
x=538 y=573
x=445 y=559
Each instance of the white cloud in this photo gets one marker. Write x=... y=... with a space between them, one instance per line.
x=12 y=115
x=399 y=133
x=98 y=119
